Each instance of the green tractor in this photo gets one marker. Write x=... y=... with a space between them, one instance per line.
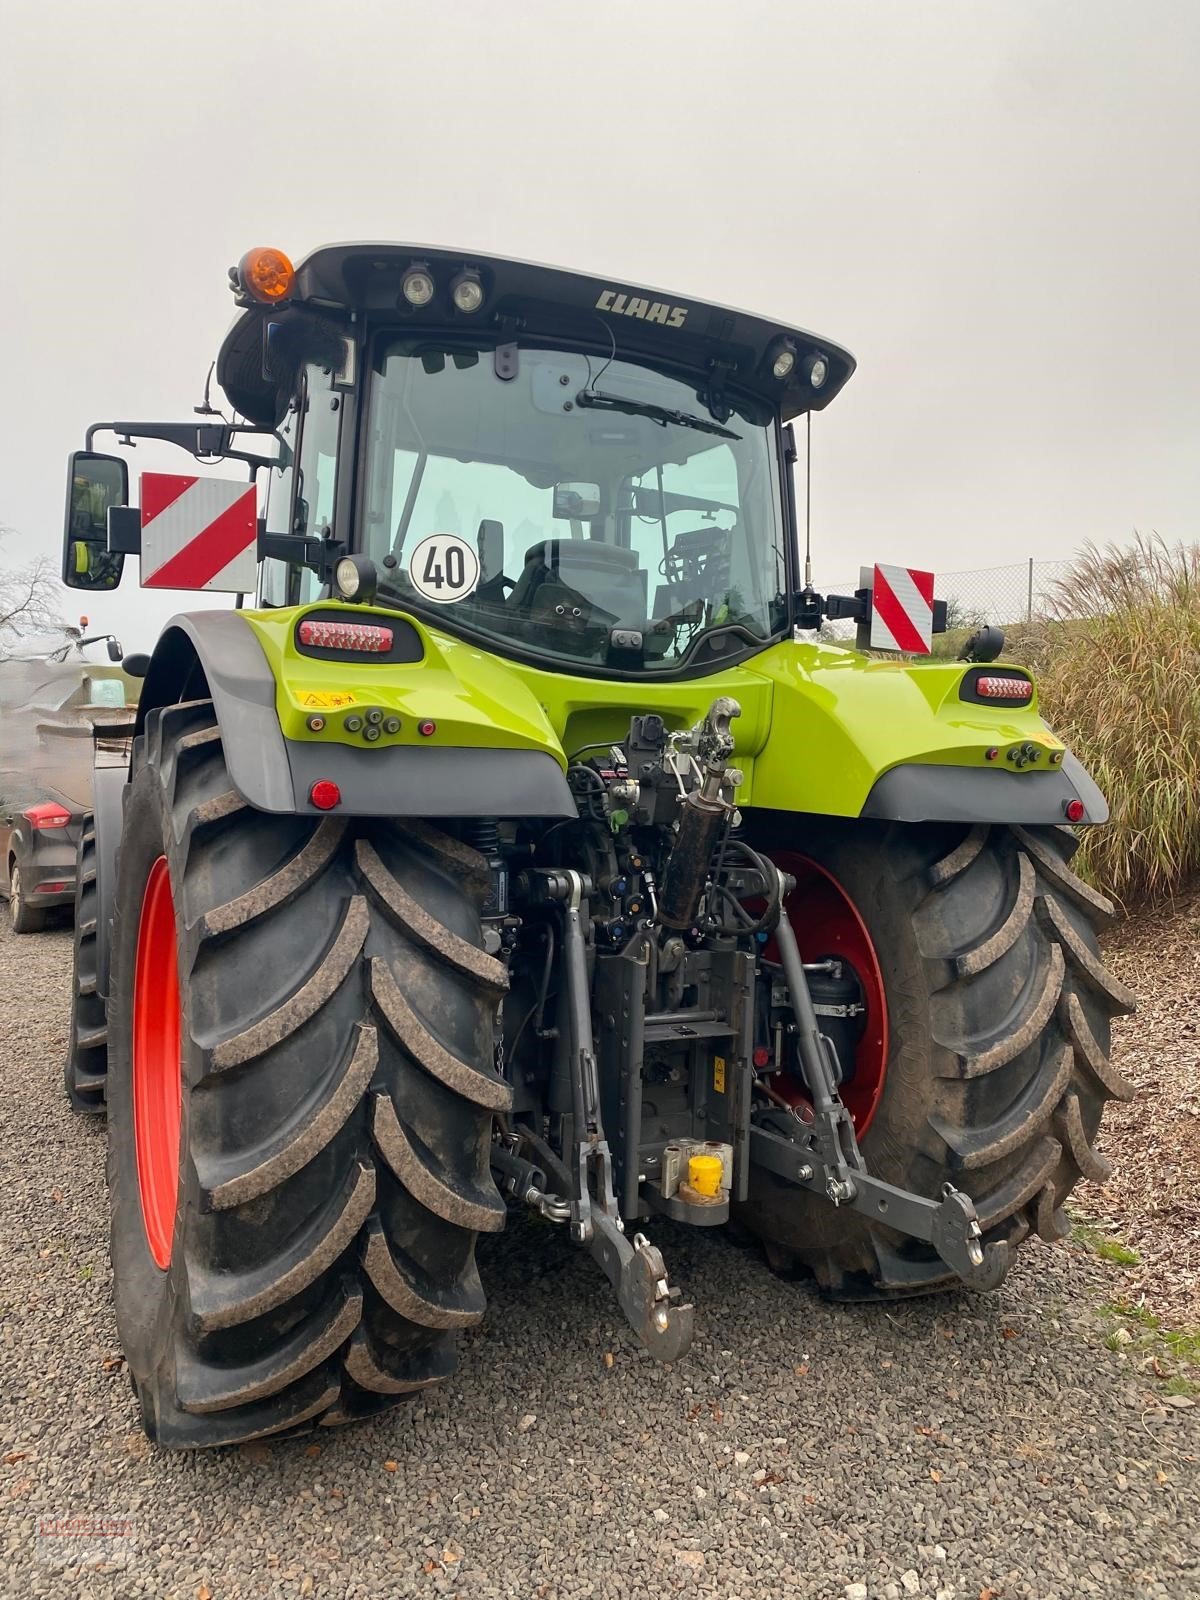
x=529 y=843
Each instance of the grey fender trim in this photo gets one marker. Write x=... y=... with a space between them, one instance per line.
x=402 y=781
x=243 y=695
x=275 y=774
x=108 y=810
x=921 y=793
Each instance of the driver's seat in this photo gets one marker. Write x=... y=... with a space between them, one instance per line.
x=607 y=575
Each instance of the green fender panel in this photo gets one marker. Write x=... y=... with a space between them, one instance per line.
x=470 y=764
x=464 y=733
x=855 y=736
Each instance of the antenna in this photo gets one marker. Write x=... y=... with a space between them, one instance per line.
x=207 y=409
x=808 y=503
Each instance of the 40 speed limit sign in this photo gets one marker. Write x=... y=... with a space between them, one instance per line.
x=443 y=568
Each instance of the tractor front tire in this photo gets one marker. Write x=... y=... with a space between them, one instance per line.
x=301 y=1092
x=87 y=1046
x=997 y=1063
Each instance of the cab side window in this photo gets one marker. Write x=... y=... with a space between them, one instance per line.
x=317 y=466
x=301 y=495
x=274 y=575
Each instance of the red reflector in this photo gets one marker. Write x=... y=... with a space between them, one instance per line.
x=1004 y=688
x=51 y=888
x=325 y=794
x=761 y=1055
x=367 y=638
x=47 y=815
x=1074 y=810
x=426 y=729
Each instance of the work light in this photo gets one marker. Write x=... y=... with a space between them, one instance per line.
x=356 y=578
x=816 y=370
x=417 y=286
x=781 y=359
x=467 y=292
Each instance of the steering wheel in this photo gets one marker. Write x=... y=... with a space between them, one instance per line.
x=688 y=559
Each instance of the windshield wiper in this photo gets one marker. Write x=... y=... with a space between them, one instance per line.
x=663 y=415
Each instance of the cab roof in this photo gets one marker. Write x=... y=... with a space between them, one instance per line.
x=523 y=299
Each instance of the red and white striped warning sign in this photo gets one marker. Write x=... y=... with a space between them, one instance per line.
x=901 y=610
x=198 y=533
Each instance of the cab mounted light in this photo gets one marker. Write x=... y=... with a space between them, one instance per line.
x=356 y=579
x=466 y=290
x=783 y=359
x=265 y=275
x=814 y=370
x=417 y=286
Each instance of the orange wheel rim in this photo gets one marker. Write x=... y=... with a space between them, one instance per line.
x=828 y=923
x=156 y=1072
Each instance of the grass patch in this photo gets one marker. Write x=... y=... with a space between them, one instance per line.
x=1102 y=1245
x=1184 y=1345
x=1116 y=660
x=1118 y=677
x=1170 y=1355
x=1122 y=1308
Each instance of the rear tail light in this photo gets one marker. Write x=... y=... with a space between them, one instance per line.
x=992 y=686
x=48 y=815
x=996 y=688
x=365 y=637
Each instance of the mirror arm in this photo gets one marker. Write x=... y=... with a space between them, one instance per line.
x=320 y=556
x=199 y=439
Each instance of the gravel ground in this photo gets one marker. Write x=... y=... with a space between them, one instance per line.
x=965 y=1448
x=1152 y=1200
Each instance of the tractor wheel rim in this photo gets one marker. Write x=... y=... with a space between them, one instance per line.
x=827 y=922
x=156 y=1071
x=14 y=894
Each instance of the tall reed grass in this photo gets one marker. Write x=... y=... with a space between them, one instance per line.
x=1117 y=664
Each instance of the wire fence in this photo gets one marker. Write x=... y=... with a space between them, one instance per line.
x=1001 y=595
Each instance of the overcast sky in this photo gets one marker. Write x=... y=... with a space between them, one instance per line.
x=994 y=203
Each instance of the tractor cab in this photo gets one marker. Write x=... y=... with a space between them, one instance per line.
x=567 y=471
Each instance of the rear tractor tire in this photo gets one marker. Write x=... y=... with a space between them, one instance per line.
x=301 y=1094
x=989 y=1068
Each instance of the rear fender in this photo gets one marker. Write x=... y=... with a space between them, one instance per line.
x=904 y=741
x=491 y=751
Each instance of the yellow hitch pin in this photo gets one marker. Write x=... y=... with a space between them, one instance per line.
x=704 y=1174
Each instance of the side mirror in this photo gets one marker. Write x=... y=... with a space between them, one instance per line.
x=136 y=665
x=94 y=484
x=576 y=502
x=115 y=652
